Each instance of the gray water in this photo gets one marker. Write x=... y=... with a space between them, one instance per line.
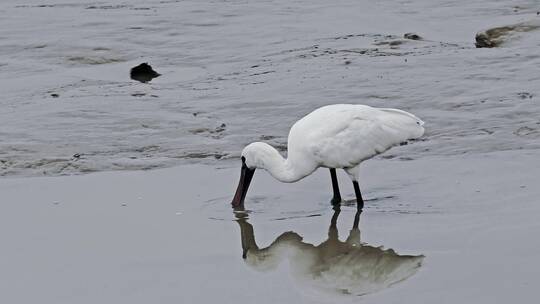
x=240 y=71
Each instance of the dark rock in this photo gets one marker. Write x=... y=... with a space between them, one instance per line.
x=54 y=95
x=412 y=36
x=496 y=36
x=143 y=73
x=488 y=39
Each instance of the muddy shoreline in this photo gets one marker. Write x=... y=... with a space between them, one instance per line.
x=66 y=89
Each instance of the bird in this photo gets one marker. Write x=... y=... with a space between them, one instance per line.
x=338 y=136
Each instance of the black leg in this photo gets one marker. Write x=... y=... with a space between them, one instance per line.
x=357 y=218
x=359 y=200
x=337 y=197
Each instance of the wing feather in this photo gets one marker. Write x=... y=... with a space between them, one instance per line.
x=355 y=134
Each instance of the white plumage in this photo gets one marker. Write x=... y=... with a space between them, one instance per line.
x=334 y=136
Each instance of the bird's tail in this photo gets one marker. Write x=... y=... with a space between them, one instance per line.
x=411 y=126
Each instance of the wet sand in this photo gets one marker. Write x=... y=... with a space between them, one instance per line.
x=169 y=235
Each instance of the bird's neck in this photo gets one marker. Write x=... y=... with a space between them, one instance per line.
x=284 y=170
x=281 y=169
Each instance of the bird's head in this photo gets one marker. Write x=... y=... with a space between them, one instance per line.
x=255 y=155
x=258 y=154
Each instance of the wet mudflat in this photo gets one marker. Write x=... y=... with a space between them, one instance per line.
x=453 y=229
x=230 y=68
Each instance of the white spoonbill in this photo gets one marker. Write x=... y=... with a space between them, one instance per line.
x=333 y=136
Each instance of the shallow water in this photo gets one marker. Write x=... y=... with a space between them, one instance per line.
x=333 y=267
x=170 y=236
x=235 y=72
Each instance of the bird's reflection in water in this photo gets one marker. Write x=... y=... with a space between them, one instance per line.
x=334 y=266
